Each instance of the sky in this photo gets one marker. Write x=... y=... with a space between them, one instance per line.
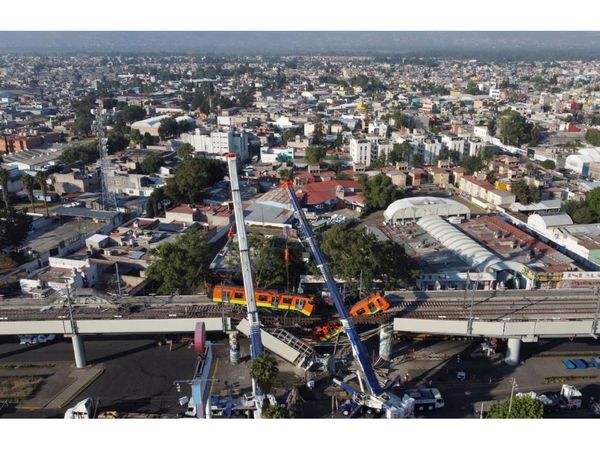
x=475 y=44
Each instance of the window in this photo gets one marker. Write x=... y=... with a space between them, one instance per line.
x=372 y=307
x=286 y=300
x=263 y=298
x=238 y=295
x=300 y=304
x=360 y=312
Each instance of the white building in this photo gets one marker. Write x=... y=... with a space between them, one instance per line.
x=414 y=208
x=360 y=151
x=378 y=128
x=495 y=93
x=219 y=143
x=431 y=150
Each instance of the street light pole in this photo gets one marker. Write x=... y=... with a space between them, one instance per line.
x=512 y=391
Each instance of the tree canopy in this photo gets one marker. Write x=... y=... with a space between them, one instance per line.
x=14 y=226
x=180 y=265
x=185 y=151
x=84 y=154
x=356 y=256
x=521 y=408
x=264 y=369
x=151 y=164
x=525 y=193
x=379 y=191
x=192 y=177
x=400 y=152
x=592 y=136
x=549 y=164
x=168 y=127
x=515 y=130
x=314 y=155
x=132 y=113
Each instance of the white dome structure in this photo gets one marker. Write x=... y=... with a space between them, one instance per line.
x=414 y=208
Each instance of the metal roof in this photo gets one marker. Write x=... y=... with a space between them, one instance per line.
x=84 y=212
x=473 y=253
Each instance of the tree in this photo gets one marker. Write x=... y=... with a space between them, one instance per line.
x=491 y=126
x=116 y=142
x=263 y=370
x=132 y=113
x=593 y=201
x=592 y=136
x=318 y=133
x=168 y=127
x=180 y=265
x=4 y=179
x=285 y=174
x=314 y=155
x=14 y=226
x=584 y=215
x=399 y=153
x=42 y=178
x=185 y=151
x=549 y=164
x=29 y=184
x=136 y=137
x=359 y=258
x=148 y=139
x=472 y=164
x=84 y=154
x=515 y=130
x=379 y=191
x=521 y=408
x=192 y=177
x=472 y=89
x=151 y=164
x=274 y=412
x=150 y=211
x=290 y=135
x=525 y=193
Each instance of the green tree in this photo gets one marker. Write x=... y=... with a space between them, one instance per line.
x=116 y=142
x=317 y=137
x=29 y=185
x=400 y=152
x=472 y=164
x=515 y=130
x=42 y=179
x=83 y=154
x=150 y=211
x=263 y=370
x=379 y=191
x=185 y=151
x=290 y=135
x=584 y=215
x=151 y=164
x=132 y=113
x=14 y=226
x=592 y=136
x=180 y=265
x=521 y=408
x=525 y=193
x=472 y=89
x=491 y=126
x=168 y=127
x=192 y=177
x=359 y=258
x=274 y=412
x=593 y=201
x=314 y=155
x=148 y=139
x=549 y=164
x=4 y=179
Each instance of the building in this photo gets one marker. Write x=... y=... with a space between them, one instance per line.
x=360 y=151
x=76 y=181
x=485 y=191
x=152 y=124
x=580 y=162
x=270 y=155
x=431 y=150
x=219 y=143
x=411 y=209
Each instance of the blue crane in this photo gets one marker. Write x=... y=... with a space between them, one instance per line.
x=376 y=397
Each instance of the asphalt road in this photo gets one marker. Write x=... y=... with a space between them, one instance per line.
x=139 y=374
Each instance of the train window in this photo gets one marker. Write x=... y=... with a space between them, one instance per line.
x=238 y=295
x=263 y=298
x=226 y=295
x=300 y=304
x=372 y=308
x=360 y=312
x=275 y=300
x=286 y=300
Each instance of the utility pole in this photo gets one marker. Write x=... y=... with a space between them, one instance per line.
x=118 y=278
x=512 y=391
x=466 y=290
x=596 y=316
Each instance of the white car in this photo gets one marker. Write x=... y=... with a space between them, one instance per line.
x=31 y=339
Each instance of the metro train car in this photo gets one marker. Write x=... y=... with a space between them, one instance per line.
x=369 y=306
x=366 y=307
x=265 y=299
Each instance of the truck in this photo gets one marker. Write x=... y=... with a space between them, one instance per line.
x=88 y=409
x=426 y=399
x=569 y=397
x=31 y=339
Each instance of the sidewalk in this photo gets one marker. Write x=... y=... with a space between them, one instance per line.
x=84 y=377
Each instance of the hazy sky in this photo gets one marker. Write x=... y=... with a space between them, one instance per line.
x=475 y=44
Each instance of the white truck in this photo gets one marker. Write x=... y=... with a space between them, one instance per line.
x=569 y=397
x=426 y=399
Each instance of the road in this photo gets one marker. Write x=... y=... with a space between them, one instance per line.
x=139 y=374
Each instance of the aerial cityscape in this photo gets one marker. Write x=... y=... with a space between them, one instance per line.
x=299 y=225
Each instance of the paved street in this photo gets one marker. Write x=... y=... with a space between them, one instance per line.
x=139 y=374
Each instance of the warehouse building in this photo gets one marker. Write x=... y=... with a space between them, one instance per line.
x=413 y=208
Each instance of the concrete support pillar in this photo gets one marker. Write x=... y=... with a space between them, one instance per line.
x=512 y=352
x=386 y=337
x=234 y=348
x=79 y=351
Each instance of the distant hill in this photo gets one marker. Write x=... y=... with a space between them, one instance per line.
x=472 y=44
